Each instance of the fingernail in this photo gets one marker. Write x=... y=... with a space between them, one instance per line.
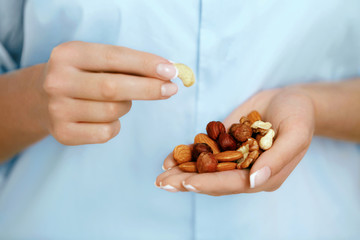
x=259 y=177
x=163 y=168
x=167 y=70
x=189 y=187
x=168 y=89
x=156 y=185
x=169 y=188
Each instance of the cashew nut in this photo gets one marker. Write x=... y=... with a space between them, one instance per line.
x=244 y=149
x=261 y=124
x=267 y=140
x=185 y=74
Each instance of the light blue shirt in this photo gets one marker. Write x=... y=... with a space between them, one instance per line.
x=106 y=191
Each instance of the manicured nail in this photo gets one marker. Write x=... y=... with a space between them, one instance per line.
x=189 y=187
x=168 y=89
x=169 y=188
x=164 y=169
x=167 y=70
x=259 y=177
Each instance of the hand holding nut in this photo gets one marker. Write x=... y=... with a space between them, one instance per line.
x=266 y=169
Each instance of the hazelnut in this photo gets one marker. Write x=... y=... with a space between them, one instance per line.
x=206 y=162
x=204 y=138
x=242 y=132
x=227 y=142
x=214 y=129
x=233 y=127
x=199 y=148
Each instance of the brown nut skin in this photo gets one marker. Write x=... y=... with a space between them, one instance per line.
x=188 y=167
x=254 y=116
x=204 y=138
x=225 y=166
x=242 y=132
x=228 y=156
x=227 y=142
x=233 y=127
x=199 y=148
x=182 y=153
x=206 y=162
x=214 y=129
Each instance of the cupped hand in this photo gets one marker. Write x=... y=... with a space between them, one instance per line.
x=291 y=112
x=87 y=87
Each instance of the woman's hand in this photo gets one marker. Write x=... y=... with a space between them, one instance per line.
x=292 y=114
x=89 y=86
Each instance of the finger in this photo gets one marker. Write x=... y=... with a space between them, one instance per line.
x=175 y=181
x=85 y=133
x=77 y=110
x=234 y=181
x=219 y=183
x=291 y=141
x=109 y=58
x=165 y=174
x=169 y=162
x=117 y=87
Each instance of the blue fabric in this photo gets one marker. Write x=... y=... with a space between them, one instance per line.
x=236 y=48
x=11 y=34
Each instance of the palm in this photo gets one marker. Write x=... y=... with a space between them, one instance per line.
x=292 y=116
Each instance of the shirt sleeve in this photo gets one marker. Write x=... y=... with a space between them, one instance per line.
x=11 y=34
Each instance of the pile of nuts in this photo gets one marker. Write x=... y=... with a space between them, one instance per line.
x=219 y=150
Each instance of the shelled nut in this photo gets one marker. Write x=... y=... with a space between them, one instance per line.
x=227 y=142
x=225 y=166
x=254 y=116
x=199 y=148
x=228 y=156
x=206 y=162
x=218 y=150
x=203 y=138
x=214 y=129
x=182 y=153
x=188 y=167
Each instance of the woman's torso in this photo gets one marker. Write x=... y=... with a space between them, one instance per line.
x=236 y=48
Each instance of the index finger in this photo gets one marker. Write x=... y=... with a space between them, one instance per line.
x=109 y=58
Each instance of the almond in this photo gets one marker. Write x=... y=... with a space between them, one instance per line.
x=188 y=167
x=203 y=138
x=228 y=156
x=182 y=153
x=254 y=116
x=225 y=166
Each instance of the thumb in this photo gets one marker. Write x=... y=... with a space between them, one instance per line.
x=290 y=142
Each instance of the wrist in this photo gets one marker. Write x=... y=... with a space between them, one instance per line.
x=335 y=105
